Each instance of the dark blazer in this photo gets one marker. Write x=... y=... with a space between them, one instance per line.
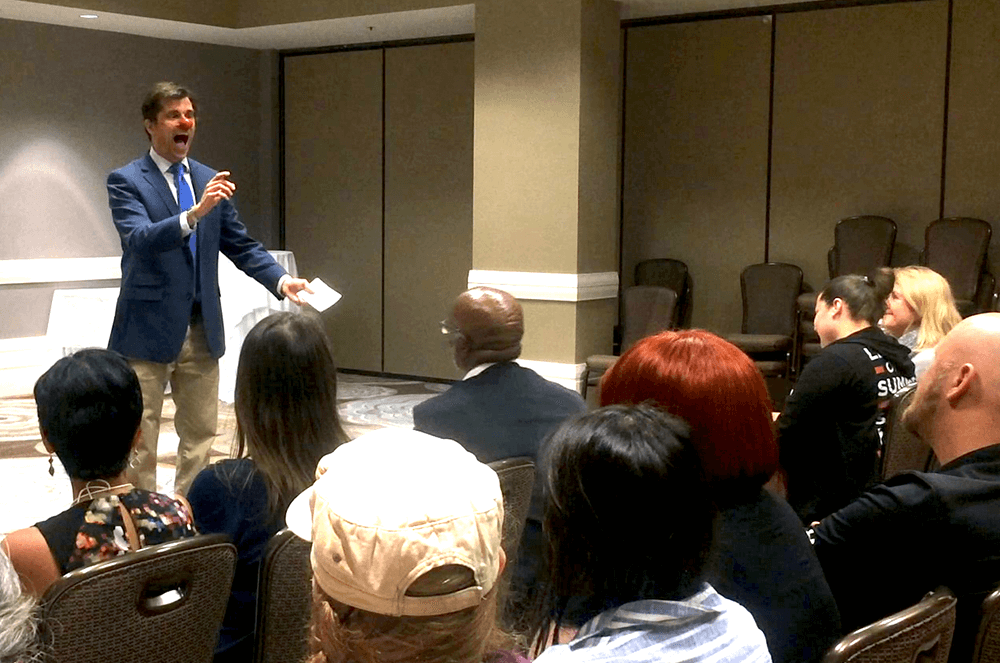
x=505 y=411
x=158 y=287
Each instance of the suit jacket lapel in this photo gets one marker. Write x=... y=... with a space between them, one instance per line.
x=159 y=183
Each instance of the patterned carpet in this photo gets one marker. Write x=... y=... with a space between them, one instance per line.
x=365 y=403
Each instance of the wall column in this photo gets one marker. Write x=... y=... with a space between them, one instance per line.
x=545 y=194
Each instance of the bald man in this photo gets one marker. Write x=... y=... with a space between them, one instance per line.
x=499 y=409
x=920 y=530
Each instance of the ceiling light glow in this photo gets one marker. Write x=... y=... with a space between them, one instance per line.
x=88 y=15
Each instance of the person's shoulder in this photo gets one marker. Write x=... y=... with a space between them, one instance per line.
x=550 y=389
x=225 y=475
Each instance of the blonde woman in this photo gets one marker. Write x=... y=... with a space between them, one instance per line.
x=920 y=310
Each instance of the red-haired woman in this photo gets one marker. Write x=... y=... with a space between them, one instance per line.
x=761 y=557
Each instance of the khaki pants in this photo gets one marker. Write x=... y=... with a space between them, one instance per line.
x=194 y=384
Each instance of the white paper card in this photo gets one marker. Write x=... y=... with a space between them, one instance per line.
x=322 y=296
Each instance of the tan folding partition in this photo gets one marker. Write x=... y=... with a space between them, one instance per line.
x=333 y=191
x=428 y=200
x=973 y=156
x=696 y=120
x=858 y=125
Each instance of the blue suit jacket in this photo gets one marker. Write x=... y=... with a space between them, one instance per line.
x=157 y=291
x=504 y=412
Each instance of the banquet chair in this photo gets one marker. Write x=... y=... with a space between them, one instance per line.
x=919 y=634
x=770 y=291
x=517 y=478
x=649 y=309
x=902 y=450
x=956 y=248
x=161 y=604
x=987 y=644
x=284 y=599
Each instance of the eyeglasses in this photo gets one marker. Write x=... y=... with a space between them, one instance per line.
x=449 y=330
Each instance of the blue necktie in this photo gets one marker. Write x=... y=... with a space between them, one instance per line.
x=185 y=200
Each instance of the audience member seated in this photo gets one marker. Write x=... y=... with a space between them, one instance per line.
x=830 y=432
x=89 y=407
x=761 y=557
x=919 y=530
x=628 y=522
x=18 y=623
x=286 y=420
x=499 y=409
x=405 y=532
x=920 y=310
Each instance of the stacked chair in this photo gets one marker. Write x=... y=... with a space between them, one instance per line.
x=660 y=300
x=767 y=333
x=956 y=248
x=861 y=244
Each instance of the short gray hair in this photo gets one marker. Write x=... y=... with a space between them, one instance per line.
x=18 y=619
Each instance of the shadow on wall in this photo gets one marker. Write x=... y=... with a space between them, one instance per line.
x=48 y=209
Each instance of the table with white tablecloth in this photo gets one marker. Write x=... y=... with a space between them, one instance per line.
x=82 y=317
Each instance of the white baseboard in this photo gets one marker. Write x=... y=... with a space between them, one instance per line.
x=549 y=287
x=568 y=375
x=22 y=361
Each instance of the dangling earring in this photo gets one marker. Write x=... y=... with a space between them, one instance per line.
x=52 y=469
x=133 y=459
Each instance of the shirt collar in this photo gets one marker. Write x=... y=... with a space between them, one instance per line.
x=648 y=613
x=478 y=369
x=165 y=165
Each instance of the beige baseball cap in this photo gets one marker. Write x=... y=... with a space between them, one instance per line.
x=389 y=507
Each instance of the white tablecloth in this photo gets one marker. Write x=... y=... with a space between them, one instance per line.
x=82 y=317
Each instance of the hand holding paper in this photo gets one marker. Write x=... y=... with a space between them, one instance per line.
x=322 y=296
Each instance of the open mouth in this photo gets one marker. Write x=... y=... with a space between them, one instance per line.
x=181 y=139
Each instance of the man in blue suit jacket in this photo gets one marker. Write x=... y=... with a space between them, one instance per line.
x=168 y=321
x=500 y=409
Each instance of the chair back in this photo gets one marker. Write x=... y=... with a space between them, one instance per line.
x=987 y=647
x=919 y=634
x=161 y=604
x=902 y=450
x=517 y=480
x=284 y=600
x=649 y=309
x=672 y=274
x=769 y=292
x=956 y=249
x=862 y=244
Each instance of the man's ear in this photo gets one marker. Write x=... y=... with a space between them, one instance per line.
x=836 y=307
x=148 y=124
x=136 y=439
x=958 y=386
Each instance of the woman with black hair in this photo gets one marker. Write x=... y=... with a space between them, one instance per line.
x=89 y=408
x=628 y=524
x=830 y=432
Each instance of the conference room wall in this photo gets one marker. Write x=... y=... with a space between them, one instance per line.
x=695 y=159
x=973 y=147
x=858 y=126
x=333 y=172
x=428 y=200
x=70 y=105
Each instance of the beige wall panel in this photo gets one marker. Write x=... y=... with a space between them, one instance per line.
x=548 y=330
x=428 y=200
x=696 y=112
x=333 y=191
x=858 y=125
x=594 y=319
x=527 y=135
x=973 y=157
x=600 y=137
